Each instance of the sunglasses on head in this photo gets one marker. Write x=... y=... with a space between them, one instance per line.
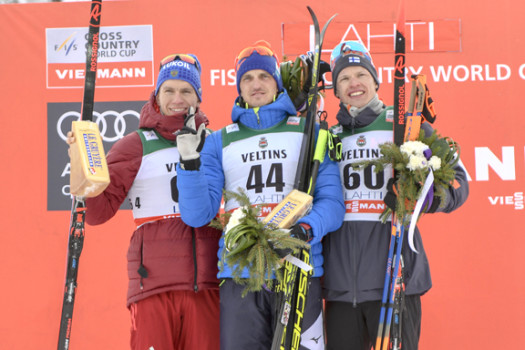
x=181 y=57
x=349 y=48
x=263 y=49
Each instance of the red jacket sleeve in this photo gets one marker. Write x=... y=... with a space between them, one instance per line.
x=124 y=160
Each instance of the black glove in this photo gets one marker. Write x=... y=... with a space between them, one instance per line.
x=391 y=194
x=436 y=201
x=190 y=142
x=391 y=198
x=300 y=231
x=324 y=67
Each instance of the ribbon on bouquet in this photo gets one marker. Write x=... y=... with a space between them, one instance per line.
x=424 y=200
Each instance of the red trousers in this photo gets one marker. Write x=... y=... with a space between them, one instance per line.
x=176 y=320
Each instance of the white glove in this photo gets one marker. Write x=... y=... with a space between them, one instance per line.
x=190 y=142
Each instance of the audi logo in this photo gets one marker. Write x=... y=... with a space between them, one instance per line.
x=112 y=124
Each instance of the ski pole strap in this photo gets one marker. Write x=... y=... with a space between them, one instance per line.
x=425 y=101
x=413 y=114
x=429 y=111
x=335 y=147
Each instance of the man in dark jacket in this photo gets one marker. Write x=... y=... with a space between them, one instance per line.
x=356 y=254
x=173 y=293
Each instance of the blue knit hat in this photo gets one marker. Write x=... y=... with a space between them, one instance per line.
x=258 y=56
x=181 y=67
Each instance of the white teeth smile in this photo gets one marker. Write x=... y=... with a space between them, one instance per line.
x=357 y=93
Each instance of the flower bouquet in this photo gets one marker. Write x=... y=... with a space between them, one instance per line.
x=250 y=244
x=424 y=169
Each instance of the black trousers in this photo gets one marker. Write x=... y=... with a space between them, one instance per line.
x=350 y=327
x=248 y=323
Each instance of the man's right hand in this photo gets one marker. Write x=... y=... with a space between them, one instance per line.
x=190 y=142
x=70 y=139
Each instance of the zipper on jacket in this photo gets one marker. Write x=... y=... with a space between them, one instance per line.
x=193 y=241
x=143 y=273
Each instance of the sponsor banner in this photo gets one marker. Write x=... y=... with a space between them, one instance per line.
x=114 y=119
x=109 y=74
x=125 y=56
x=442 y=35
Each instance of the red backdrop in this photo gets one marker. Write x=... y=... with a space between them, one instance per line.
x=471 y=51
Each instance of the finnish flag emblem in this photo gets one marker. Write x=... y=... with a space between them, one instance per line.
x=354 y=59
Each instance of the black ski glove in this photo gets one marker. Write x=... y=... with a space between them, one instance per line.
x=391 y=195
x=300 y=231
x=190 y=142
x=391 y=198
x=324 y=67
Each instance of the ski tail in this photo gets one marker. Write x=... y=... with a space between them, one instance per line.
x=75 y=245
x=388 y=272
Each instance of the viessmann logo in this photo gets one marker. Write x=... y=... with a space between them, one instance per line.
x=114 y=119
x=125 y=56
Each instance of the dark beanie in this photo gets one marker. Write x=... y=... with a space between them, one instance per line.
x=351 y=53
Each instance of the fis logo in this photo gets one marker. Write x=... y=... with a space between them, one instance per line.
x=67 y=45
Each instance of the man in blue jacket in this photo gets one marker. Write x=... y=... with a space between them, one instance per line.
x=259 y=153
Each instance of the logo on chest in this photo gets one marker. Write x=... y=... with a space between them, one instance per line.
x=263 y=142
x=361 y=141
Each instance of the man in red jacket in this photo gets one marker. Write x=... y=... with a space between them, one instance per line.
x=173 y=289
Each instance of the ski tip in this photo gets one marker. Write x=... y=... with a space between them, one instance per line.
x=328 y=22
x=401 y=17
x=312 y=13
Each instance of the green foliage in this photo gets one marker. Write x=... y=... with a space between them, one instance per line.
x=294 y=75
x=251 y=245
